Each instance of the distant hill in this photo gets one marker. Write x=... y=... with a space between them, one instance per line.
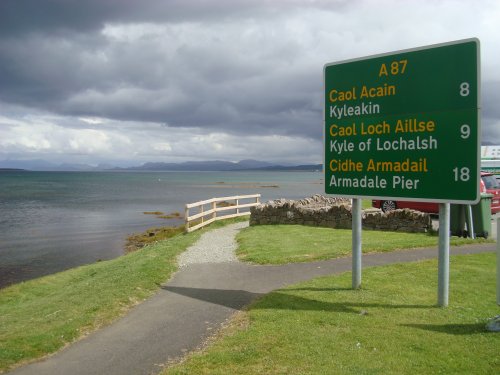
x=305 y=167
x=211 y=165
x=218 y=165
x=42 y=165
x=215 y=165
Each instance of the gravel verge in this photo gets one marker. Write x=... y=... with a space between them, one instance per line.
x=214 y=246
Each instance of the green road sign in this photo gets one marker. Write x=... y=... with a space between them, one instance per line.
x=405 y=125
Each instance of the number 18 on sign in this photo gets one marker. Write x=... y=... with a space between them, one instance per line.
x=405 y=125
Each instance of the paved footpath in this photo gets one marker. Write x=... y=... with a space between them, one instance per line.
x=191 y=306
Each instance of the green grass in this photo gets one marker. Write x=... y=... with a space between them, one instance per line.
x=279 y=244
x=390 y=326
x=40 y=316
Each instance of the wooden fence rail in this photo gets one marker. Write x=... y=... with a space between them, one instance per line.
x=208 y=210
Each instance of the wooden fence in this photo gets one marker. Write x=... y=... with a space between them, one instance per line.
x=208 y=210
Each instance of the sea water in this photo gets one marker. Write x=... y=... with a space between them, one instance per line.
x=52 y=221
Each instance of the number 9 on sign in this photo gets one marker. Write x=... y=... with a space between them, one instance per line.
x=465 y=131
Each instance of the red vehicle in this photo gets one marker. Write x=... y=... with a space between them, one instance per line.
x=488 y=184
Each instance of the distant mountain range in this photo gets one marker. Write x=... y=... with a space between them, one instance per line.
x=214 y=165
x=42 y=165
x=219 y=165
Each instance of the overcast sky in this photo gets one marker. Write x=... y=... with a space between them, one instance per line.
x=126 y=82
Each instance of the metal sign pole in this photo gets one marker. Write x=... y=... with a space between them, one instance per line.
x=470 y=224
x=444 y=254
x=356 y=243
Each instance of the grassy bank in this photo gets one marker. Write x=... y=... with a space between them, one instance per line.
x=391 y=326
x=279 y=244
x=40 y=316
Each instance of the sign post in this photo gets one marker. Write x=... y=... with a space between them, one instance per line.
x=444 y=255
x=356 y=243
x=405 y=125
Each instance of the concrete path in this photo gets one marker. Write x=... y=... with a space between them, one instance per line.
x=189 y=308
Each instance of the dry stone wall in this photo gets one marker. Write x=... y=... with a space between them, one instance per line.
x=321 y=211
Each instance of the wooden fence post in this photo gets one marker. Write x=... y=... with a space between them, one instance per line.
x=186 y=216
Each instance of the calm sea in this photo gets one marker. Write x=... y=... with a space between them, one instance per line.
x=52 y=221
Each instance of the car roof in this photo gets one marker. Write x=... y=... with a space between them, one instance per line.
x=486 y=174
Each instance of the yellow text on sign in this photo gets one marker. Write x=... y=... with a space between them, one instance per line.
x=395 y=68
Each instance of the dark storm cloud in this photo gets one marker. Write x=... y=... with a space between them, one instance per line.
x=184 y=75
x=52 y=16
x=164 y=75
x=490 y=93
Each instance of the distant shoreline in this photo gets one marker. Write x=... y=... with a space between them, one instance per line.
x=270 y=169
x=191 y=166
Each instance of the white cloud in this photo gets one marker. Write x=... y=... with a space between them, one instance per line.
x=91 y=120
x=42 y=135
x=230 y=81
x=135 y=143
x=162 y=146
